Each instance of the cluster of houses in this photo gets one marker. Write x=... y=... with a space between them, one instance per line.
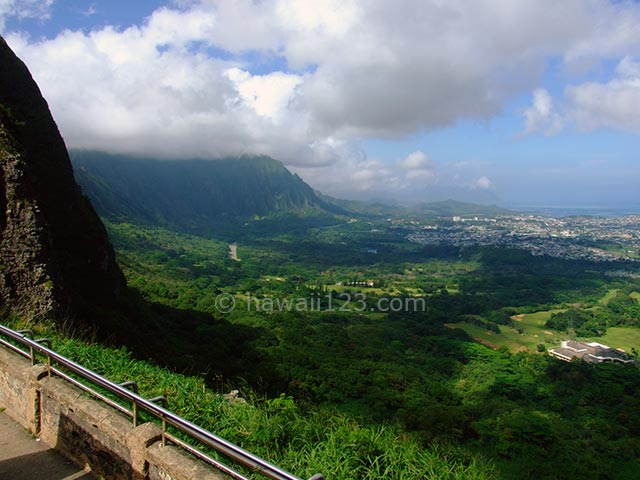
x=365 y=283
x=591 y=352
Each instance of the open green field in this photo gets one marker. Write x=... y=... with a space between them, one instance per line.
x=608 y=297
x=536 y=320
x=625 y=338
x=361 y=288
x=619 y=249
x=531 y=325
x=534 y=332
x=529 y=330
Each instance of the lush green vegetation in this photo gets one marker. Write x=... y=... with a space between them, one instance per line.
x=617 y=308
x=197 y=195
x=407 y=372
x=301 y=439
x=338 y=383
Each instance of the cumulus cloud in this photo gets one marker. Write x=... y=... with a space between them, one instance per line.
x=360 y=176
x=483 y=182
x=24 y=9
x=268 y=95
x=540 y=116
x=305 y=82
x=417 y=166
x=409 y=67
x=357 y=177
x=613 y=104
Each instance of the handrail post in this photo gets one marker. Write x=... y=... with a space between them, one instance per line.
x=135 y=413
x=161 y=399
x=31 y=335
x=134 y=405
x=47 y=342
x=167 y=417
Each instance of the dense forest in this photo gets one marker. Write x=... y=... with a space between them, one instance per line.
x=420 y=370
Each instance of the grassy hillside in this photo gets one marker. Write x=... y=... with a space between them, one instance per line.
x=301 y=439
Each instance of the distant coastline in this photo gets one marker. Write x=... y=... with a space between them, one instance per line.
x=561 y=211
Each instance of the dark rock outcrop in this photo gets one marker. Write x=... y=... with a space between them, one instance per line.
x=55 y=255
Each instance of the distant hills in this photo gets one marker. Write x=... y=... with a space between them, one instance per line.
x=446 y=208
x=202 y=195
x=452 y=207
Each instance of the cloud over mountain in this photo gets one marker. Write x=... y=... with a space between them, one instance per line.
x=306 y=82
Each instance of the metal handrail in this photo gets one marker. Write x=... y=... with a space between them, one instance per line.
x=167 y=417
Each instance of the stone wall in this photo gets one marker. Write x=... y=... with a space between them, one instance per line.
x=88 y=431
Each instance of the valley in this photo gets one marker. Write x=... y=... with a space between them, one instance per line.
x=483 y=333
x=434 y=321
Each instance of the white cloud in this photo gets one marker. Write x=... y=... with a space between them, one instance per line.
x=268 y=95
x=24 y=9
x=628 y=67
x=333 y=18
x=91 y=10
x=241 y=25
x=306 y=81
x=614 y=104
x=417 y=160
x=356 y=177
x=611 y=31
x=417 y=166
x=484 y=183
x=540 y=117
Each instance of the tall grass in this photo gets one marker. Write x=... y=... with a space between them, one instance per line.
x=303 y=441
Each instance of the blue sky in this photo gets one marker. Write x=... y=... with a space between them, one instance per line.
x=528 y=103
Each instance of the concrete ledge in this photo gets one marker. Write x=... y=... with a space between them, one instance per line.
x=89 y=432
x=14 y=387
x=139 y=440
x=171 y=463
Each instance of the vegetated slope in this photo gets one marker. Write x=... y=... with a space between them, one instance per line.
x=534 y=416
x=189 y=194
x=446 y=208
x=55 y=255
x=301 y=440
x=454 y=207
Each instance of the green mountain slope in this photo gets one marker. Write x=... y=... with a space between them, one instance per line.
x=190 y=194
x=454 y=207
x=446 y=208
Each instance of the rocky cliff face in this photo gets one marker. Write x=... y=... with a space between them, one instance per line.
x=55 y=256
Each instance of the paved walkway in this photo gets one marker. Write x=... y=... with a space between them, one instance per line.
x=22 y=457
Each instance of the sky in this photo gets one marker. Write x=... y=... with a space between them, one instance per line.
x=519 y=103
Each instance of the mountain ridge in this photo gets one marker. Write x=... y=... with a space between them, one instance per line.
x=206 y=196
x=186 y=193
